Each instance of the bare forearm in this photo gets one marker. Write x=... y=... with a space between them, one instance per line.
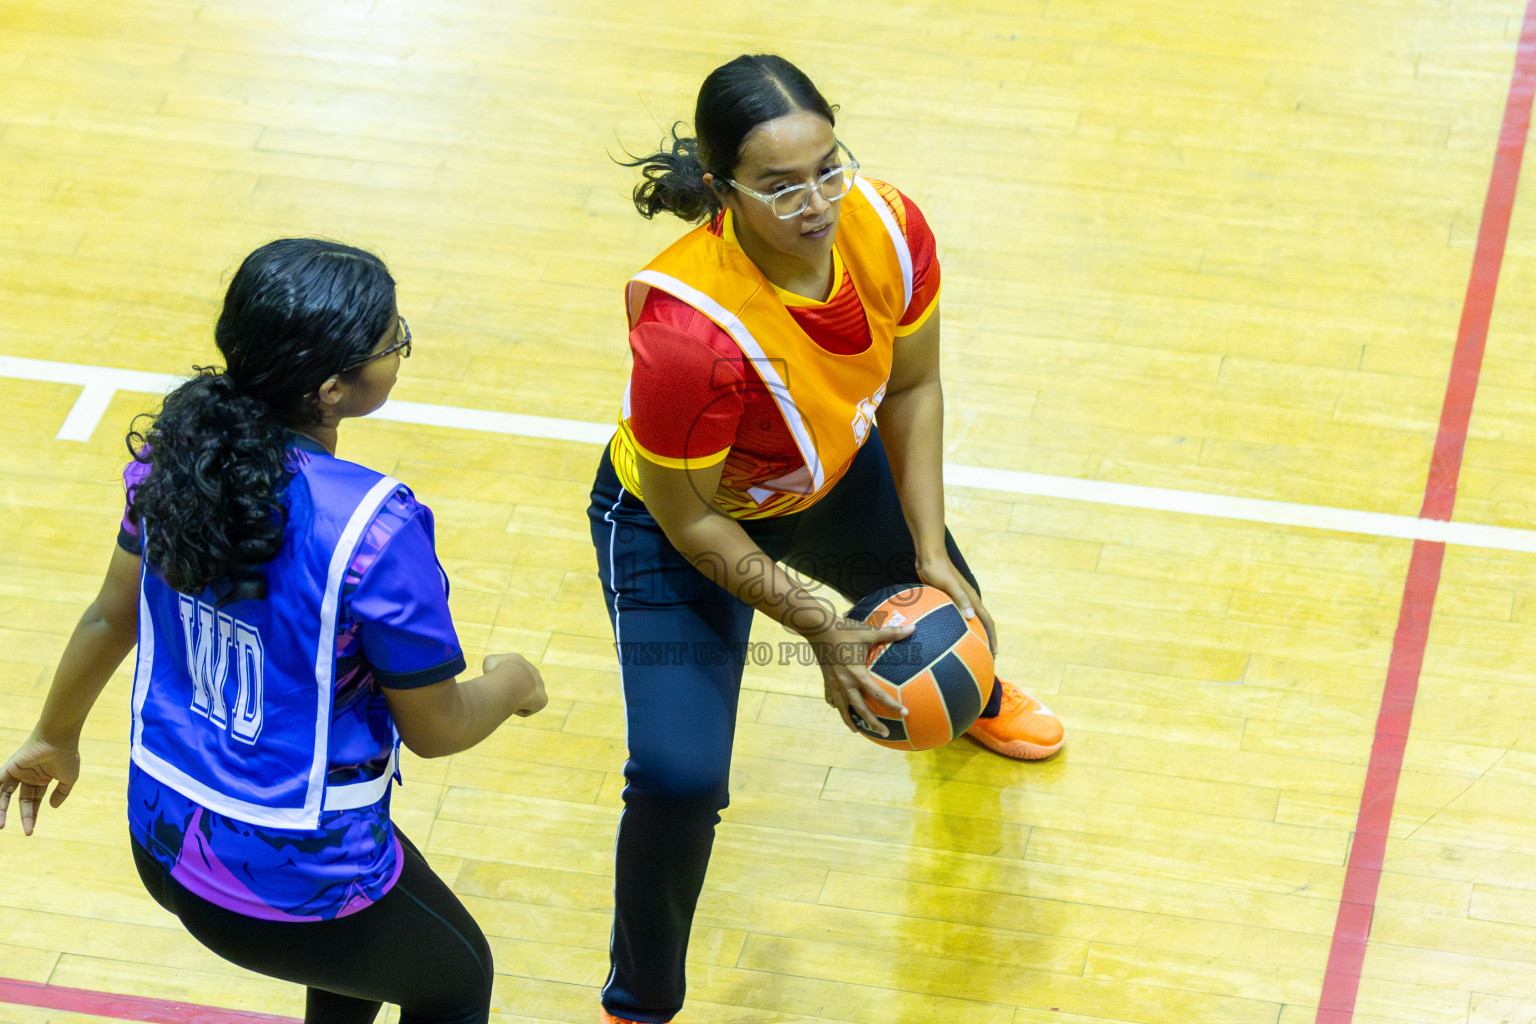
x=912 y=429
x=95 y=649
x=474 y=710
x=448 y=716
x=719 y=548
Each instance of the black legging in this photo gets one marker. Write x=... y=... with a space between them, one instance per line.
x=417 y=947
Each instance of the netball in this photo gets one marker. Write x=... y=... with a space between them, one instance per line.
x=942 y=673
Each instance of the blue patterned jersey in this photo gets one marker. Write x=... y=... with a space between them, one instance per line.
x=238 y=830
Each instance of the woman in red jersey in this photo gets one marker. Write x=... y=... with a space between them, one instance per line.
x=784 y=409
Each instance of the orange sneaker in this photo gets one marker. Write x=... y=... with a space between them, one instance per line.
x=1024 y=728
x=609 y=1018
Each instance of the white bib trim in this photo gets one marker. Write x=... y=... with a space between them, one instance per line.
x=733 y=326
x=903 y=251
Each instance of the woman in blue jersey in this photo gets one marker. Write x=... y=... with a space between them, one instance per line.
x=292 y=627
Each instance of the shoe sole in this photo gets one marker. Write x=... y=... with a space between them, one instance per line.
x=1020 y=750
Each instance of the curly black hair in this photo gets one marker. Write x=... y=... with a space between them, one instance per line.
x=298 y=312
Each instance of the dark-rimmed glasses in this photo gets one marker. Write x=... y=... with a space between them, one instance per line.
x=402 y=345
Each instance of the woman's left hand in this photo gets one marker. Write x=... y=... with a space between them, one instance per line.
x=34 y=765
x=941 y=573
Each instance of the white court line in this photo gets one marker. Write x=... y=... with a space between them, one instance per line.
x=1257 y=510
x=99 y=383
x=494 y=422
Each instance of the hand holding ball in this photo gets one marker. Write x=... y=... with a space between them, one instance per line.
x=942 y=673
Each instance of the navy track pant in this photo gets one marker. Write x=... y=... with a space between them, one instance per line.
x=682 y=643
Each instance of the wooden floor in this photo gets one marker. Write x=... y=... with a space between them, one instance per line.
x=1217 y=246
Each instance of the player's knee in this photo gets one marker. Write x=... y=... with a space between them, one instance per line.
x=683 y=777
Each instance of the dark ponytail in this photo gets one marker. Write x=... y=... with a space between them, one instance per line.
x=216 y=467
x=298 y=311
x=674 y=182
x=736 y=97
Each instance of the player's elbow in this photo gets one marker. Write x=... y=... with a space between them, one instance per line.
x=428 y=745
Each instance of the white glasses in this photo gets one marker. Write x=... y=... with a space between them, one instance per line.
x=793 y=200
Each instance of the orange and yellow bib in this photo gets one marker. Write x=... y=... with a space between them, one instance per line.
x=827 y=400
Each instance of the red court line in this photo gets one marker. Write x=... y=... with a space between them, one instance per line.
x=101 y=1004
x=1362 y=876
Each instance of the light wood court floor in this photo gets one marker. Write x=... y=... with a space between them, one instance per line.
x=1217 y=246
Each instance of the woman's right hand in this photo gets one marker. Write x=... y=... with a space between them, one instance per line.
x=35 y=765
x=525 y=684
x=842 y=650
